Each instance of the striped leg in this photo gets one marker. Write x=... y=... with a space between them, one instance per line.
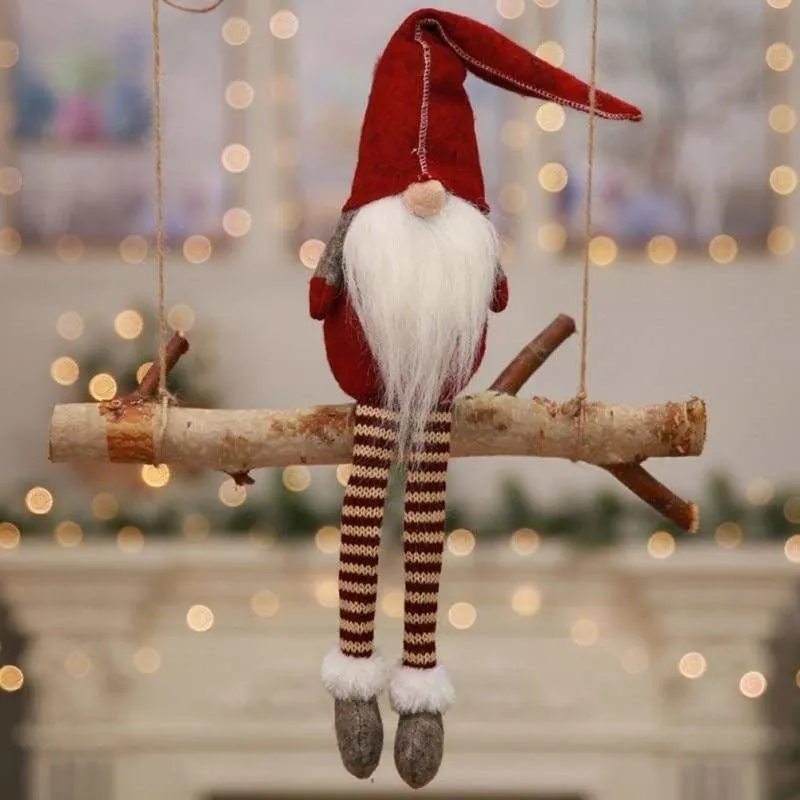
x=420 y=691
x=362 y=518
x=353 y=673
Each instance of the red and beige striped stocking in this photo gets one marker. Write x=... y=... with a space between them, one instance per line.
x=353 y=671
x=362 y=518
x=418 y=685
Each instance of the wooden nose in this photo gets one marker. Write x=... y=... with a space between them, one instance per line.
x=425 y=199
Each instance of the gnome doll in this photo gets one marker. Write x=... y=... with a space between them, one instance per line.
x=404 y=287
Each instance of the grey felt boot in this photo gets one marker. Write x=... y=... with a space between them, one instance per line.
x=418 y=747
x=359 y=734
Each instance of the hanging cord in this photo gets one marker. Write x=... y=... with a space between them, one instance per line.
x=163 y=395
x=577 y=404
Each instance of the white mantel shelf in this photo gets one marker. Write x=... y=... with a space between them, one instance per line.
x=240 y=707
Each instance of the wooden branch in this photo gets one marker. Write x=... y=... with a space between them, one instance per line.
x=655 y=494
x=496 y=423
x=177 y=346
x=484 y=425
x=533 y=355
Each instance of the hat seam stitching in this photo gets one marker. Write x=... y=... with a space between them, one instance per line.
x=461 y=53
x=424 y=120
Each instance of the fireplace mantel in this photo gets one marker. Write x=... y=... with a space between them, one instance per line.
x=130 y=703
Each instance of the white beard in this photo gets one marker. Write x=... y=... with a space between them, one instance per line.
x=421 y=288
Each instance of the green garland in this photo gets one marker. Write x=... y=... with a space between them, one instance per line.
x=595 y=519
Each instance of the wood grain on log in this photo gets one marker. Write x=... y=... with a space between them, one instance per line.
x=486 y=424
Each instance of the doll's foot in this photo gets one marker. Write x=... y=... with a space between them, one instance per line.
x=359 y=734
x=418 y=747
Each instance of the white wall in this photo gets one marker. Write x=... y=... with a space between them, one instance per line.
x=726 y=333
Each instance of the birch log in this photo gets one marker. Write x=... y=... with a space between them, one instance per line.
x=486 y=424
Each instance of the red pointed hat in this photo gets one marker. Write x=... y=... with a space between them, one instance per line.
x=419 y=124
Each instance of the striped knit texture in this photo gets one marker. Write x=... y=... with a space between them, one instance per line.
x=362 y=518
x=423 y=540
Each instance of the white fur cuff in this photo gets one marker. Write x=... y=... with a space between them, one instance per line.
x=414 y=691
x=349 y=678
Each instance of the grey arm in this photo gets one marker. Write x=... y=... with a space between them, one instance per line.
x=331 y=263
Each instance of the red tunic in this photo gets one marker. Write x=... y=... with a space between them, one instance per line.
x=349 y=356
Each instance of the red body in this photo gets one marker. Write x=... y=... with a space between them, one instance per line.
x=349 y=355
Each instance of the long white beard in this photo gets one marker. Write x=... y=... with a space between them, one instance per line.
x=421 y=288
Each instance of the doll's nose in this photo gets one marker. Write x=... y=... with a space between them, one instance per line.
x=425 y=199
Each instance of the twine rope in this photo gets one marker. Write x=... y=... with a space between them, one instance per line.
x=589 y=201
x=160 y=249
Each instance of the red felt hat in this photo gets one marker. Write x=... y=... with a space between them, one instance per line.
x=419 y=124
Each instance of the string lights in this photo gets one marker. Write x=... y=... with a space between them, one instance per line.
x=553 y=177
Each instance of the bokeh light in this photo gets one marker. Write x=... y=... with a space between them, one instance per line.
x=723 y=249
x=78 y=664
x=129 y=324
x=782 y=118
x=729 y=535
x=155 y=476
x=232 y=495
x=791 y=548
x=296 y=478
x=68 y=534
x=9 y=54
x=552 y=52
x=181 y=318
x=197 y=249
x=461 y=542
x=526 y=601
x=585 y=632
x=70 y=326
x=603 y=251
x=65 y=371
x=130 y=539
x=200 y=618
x=10 y=180
x=392 y=604
x=105 y=506
x=661 y=544
x=10 y=536
x=10 y=241
x=326 y=593
x=284 y=24
x=760 y=491
x=692 y=665
x=513 y=198
x=12 y=678
x=525 y=541
x=753 y=684
x=39 y=500
x=311 y=252
x=103 y=387
x=553 y=177
x=236 y=31
x=239 y=94
x=550 y=117
x=462 y=615
x=237 y=222
x=779 y=57
x=265 y=603
x=147 y=660
x=515 y=134
x=781 y=240
x=327 y=539
x=662 y=250
x=783 y=180
x=551 y=237
x=133 y=249
x=70 y=248
x=236 y=158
